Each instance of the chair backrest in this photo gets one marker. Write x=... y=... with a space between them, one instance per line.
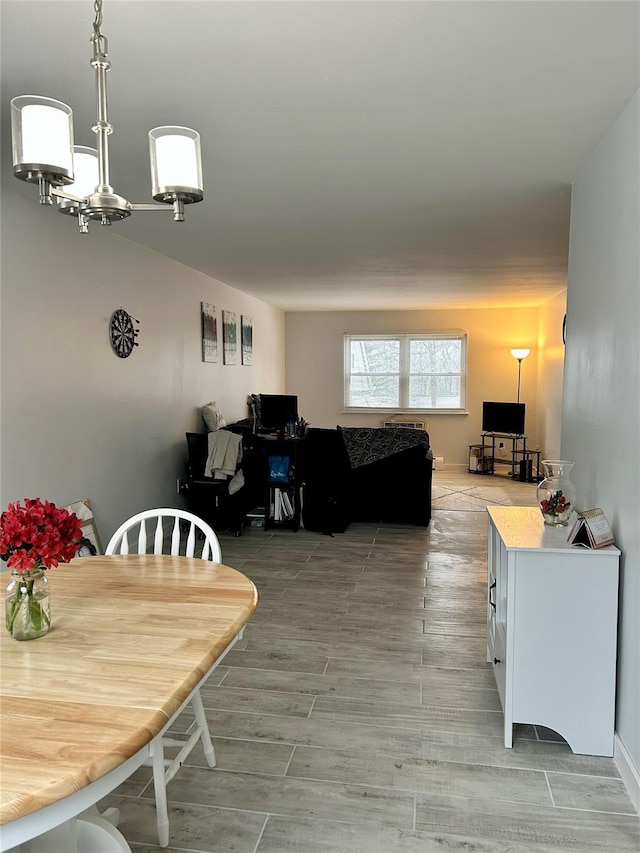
x=119 y=542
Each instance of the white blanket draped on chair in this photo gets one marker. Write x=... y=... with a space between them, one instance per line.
x=224 y=457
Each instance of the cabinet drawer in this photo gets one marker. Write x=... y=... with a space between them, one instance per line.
x=498 y=661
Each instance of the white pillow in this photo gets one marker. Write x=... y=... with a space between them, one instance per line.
x=212 y=416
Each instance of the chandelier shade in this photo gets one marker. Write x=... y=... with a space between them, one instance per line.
x=79 y=177
x=85 y=170
x=176 y=164
x=42 y=139
x=85 y=178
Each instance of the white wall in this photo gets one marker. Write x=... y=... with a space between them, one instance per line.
x=550 y=374
x=601 y=412
x=314 y=366
x=78 y=422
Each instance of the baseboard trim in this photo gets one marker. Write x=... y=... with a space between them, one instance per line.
x=628 y=771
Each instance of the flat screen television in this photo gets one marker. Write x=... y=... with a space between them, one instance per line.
x=503 y=417
x=275 y=411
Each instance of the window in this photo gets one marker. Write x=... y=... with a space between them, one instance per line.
x=423 y=373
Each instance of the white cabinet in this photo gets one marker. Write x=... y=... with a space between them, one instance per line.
x=552 y=617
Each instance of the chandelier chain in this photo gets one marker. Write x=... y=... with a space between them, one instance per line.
x=97 y=6
x=99 y=41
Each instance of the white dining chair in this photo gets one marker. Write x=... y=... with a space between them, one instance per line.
x=119 y=542
x=171 y=523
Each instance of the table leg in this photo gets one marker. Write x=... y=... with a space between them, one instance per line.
x=89 y=832
x=99 y=835
x=205 y=737
x=160 y=788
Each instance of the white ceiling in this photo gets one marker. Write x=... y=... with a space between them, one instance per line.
x=357 y=155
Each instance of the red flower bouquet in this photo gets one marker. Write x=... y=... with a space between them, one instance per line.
x=34 y=537
x=38 y=535
x=555 y=504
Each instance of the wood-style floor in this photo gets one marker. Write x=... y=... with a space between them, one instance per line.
x=359 y=714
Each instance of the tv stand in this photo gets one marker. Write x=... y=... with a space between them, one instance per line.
x=524 y=463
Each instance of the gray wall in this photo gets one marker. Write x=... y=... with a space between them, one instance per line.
x=601 y=410
x=78 y=422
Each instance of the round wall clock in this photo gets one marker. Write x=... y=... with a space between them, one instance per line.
x=122 y=333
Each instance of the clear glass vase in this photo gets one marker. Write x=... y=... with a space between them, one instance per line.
x=556 y=493
x=27 y=605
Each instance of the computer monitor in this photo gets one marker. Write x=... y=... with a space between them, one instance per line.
x=275 y=411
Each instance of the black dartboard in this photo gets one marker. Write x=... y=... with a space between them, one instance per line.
x=122 y=333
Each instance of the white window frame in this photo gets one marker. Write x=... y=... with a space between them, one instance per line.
x=405 y=342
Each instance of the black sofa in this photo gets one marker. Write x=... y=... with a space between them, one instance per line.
x=345 y=474
x=364 y=474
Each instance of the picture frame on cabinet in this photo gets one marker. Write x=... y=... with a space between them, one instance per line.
x=90 y=544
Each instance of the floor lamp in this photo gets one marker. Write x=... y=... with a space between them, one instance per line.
x=520 y=354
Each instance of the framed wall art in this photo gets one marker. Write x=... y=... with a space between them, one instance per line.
x=209 y=332
x=229 y=337
x=246 y=326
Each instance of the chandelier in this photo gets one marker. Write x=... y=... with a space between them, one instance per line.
x=44 y=153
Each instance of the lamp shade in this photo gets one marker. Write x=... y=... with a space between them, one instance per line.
x=520 y=353
x=176 y=164
x=42 y=139
x=85 y=171
x=86 y=178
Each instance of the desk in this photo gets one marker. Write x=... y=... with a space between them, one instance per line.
x=132 y=637
x=281 y=498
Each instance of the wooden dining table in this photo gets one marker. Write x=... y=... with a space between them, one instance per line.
x=132 y=637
